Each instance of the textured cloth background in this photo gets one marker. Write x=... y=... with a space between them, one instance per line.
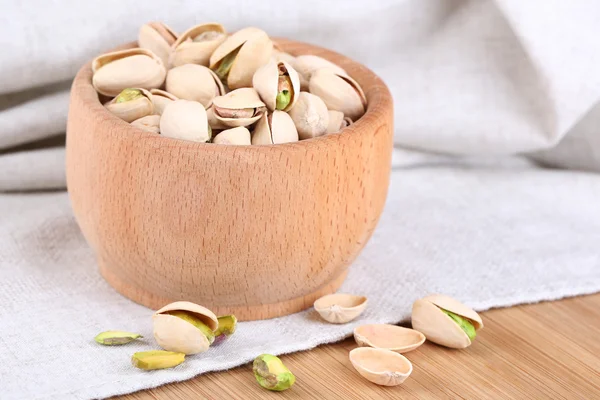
x=483 y=80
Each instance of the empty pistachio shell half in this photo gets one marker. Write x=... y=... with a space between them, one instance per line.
x=184 y=327
x=381 y=366
x=156 y=359
x=131 y=104
x=131 y=68
x=150 y=123
x=240 y=107
x=445 y=321
x=277 y=84
x=340 y=308
x=194 y=82
x=271 y=374
x=310 y=116
x=275 y=128
x=195 y=45
x=337 y=121
x=116 y=338
x=227 y=323
x=236 y=60
x=339 y=92
x=161 y=98
x=185 y=119
x=390 y=337
x=306 y=65
x=158 y=38
x=236 y=136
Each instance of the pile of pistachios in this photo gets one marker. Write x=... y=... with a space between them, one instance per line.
x=206 y=85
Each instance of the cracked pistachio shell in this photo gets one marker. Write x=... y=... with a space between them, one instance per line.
x=158 y=38
x=240 y=107
x=156 y=359
x=177 y=334
x=194 y=82
x=161 y=98
x=340 y=308
x=275 y=128
x=390 y=337
x=339 y=92
x=266 y=83
x=131 y=68
x=380 y=366
x=150 y=123
x=254 y=48
x=310 y=116
x=196 y=45
x=306 y=65
x=131 y=104
x=437 y=326
x=185 y=119
x=236 y=136
x=214 y=123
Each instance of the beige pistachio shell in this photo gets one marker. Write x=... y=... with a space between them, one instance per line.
x=275 y=128
x=129 y=68
x=339 y=92
x=196 y=45
x=279 y=55
x=255 y=50
x=336 y=121
x=240 y=107
x=134 y=109
x=194 y=82
x=185 y=119
x=455 y=306
x=380 y=366
x=150 y=123
x=306 y=65
x=203 y=313
x=158 y=38
x=340 y=308
x=161 y=98
x=214 y=123
x=390 y=337
x=266 y=83
x=310 y=116
x=235 y=136
x=175 y=334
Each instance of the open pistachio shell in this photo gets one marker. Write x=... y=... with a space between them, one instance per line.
x=339 y=92
x=185 y=119
x=340 y=308
x=131 y=68
x=381 y=366
x=194 y=82
x=275 y=128
x=390 y=337
x=243 y=53
x=161 y=98
x=310 y=116
x=131 y=104
x=306 y=65
x=213 y=122
x=337 y=122
x=237 y=136
x=240 y=107
x=195 y=45
x=150 y=123
x=275 y=81
x=158 y=38
x=430 y=315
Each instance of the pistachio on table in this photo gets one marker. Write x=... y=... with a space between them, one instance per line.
x=116 y=338
x=227 y=323
x=157 y=359
x=158 y=38
x=271 y=374
x=131 y=104
x=197 y=44
x=339 y=308
x=380 y=366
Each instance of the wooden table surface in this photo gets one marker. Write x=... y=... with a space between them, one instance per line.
x=543 y=351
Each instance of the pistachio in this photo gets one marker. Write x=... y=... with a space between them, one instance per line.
x=271 y=374
x=150 y=123
x=131 y=68
x=160 y=99
x=131 y=104
x=275 y=128
x=390 y=337
x=240 y=55
x=340 y=308
x=339 y=92
x=156 y=359
x=195 y=45
x=337 y=121
x=213 y=122
x=115 y=338
x=158 y=38
x=240 y=107
x=380 y=366
x=310 y=116
x=279 y=55
x=194 y=82
x=277 y=84
x=306 y=65
x=236 y=136
x=445 y=321
x=185 y=119
x=227 y=323
x=196 y=321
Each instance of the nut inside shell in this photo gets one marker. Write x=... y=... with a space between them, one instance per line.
x=275 y=128
x=196 y=45
x=390 y=337
x=381 y=366
x=340 y=308
x=240 y=107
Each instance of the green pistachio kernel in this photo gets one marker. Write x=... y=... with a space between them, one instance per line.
x=115 y=338
x=271 y=374
x=156 y=359
x=128 y=95
x=283 y=99
x=463 y=322
x=223 y=67
x=197 y=322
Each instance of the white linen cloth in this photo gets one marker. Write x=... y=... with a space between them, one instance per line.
x=484 y=80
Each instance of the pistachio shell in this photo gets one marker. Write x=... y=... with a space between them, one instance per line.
x=339 y=92
x=187 y=51
x=133 y=109
x=205 y=315
x=255 y=50
x=455 y=306
x=158 y=38
x=310 y=116
x=236 y=136
x=381 y=366
x=214 y=123
x=150 y=123
x=240 y=107
x=185 y=119
x=266 y=83
x=306 y=65
x=137 y=68
x=340 y=308
x=390 y=337
x=161 y=98
x=279 y=55
x=194 y=82
x=336 y=121
x=275 y=128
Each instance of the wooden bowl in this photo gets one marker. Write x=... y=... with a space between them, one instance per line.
x=257 y=231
